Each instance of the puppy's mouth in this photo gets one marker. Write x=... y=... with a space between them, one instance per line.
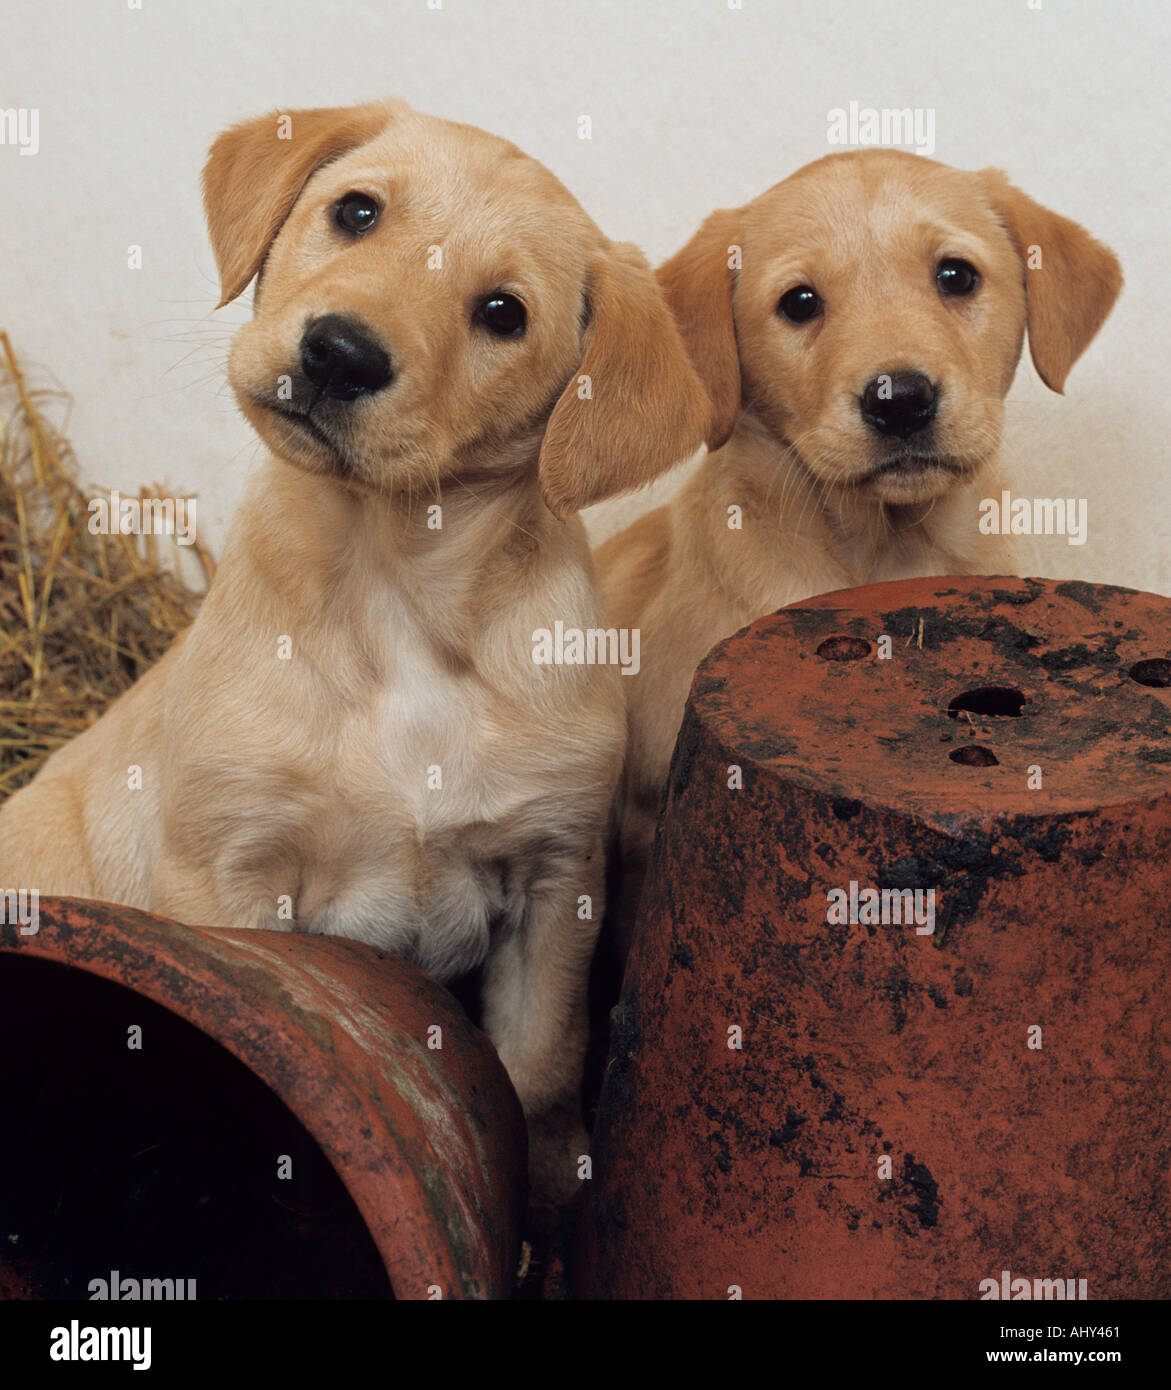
x=913 y=476
x=911 y=466
x=301 y=429
x=302 y=420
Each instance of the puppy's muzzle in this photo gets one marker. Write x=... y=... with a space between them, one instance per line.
x=899 y=403
x=342 y=360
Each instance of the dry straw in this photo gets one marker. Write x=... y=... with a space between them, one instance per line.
x=82 y=616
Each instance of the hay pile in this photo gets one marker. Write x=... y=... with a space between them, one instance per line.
x=82 y=616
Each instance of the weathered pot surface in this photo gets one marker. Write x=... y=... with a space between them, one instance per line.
x=804 y=1102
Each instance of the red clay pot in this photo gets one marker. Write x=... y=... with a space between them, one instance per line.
x=756 y=1170
x=340 y=1156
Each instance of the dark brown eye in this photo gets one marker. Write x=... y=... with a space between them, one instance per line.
x=503 y=314
x=956 y=277
x=356 y=213
x=800 y=304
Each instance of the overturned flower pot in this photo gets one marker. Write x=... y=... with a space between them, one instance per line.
x=894 y=1022
x=195 y=1113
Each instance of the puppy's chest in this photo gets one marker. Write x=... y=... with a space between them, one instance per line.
x=443 y=807
x=437 y=744
x=440 y=756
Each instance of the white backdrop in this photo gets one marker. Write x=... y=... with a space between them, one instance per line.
x=694 y=104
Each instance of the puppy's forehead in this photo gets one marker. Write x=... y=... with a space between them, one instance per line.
x=870 y=198
x=455 y=178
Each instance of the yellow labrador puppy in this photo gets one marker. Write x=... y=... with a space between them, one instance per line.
x=447 y=359
x=858 y=326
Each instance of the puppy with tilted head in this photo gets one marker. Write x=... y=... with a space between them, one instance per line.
x=858 y=326
x=447 y=359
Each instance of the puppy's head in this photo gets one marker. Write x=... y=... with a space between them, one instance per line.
x=433 y=305
x=871 y=310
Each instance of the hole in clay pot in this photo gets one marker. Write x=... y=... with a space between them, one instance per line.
x=974 y=755
x=989 y=699
x=843 y=649
x=1156 y=671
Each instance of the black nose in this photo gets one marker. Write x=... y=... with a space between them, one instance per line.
x=899 y=403
x=343 y=360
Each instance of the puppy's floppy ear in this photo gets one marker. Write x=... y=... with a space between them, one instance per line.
x=256 y=170
x=635 y=406
x=697 y=282
x=1071 y=280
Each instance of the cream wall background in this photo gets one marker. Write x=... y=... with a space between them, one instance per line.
x=695 y=104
